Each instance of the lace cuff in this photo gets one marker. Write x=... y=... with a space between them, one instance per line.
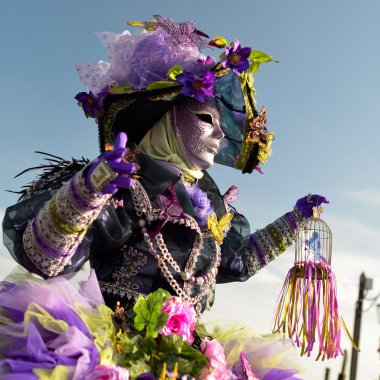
x=266 y=244
x=53 y=236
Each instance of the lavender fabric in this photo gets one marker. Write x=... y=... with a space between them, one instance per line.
x=27 y=344
x=268 y=355
x=183 y=33
x=133 y=58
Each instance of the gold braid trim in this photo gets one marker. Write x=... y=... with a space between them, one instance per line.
x=62 y=224
x=247 y=145
x=110 y=116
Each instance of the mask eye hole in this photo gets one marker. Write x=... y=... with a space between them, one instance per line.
x=205 y=117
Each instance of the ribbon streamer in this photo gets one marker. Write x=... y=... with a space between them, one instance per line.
x=307 y=310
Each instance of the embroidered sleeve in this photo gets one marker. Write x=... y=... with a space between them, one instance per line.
x=266 y=244
x=52 y=237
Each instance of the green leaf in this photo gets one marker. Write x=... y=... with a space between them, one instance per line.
x=133 y=353
x=139 y=24
x=138 y=368
x=171 y=344
x=253 y=67
x=174 y=71
x=148 y=313
x=160 y=84
x=257 y=58
x=149 y=346
x=201 y=331
x=192 y=360
x=117 y=90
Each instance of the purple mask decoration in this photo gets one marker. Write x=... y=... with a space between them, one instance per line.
x=197 y=129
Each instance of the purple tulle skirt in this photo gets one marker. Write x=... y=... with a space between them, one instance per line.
x=61 y=329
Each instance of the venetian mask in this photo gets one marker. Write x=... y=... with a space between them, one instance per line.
x=197 y=129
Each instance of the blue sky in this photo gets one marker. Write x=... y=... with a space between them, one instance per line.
x=322 y=103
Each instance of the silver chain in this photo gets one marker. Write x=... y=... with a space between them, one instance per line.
x=143 y=206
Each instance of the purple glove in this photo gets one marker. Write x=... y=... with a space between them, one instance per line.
x=305 y=205
x=108 y=173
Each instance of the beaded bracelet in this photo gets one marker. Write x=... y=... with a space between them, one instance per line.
x=259 y=253
x=278 y=239
x=53 y=236
x=267 y=243
x=62 y=224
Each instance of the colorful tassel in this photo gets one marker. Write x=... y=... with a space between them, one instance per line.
x=307 y=309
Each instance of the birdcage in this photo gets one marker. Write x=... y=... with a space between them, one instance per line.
x=307 y=309
x=313 y=245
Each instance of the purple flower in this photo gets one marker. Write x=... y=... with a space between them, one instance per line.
x=89 y=103
x=198 y=87
x=236 y=58
x=207 y=61
x=201 y=204
x=146 y=376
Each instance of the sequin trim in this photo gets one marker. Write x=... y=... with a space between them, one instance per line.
x=133 y=261
x=47 y=244
x=268 y=243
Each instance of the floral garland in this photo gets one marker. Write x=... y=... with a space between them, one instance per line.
x=65 y=335
x=236 y=58
x=154 y=342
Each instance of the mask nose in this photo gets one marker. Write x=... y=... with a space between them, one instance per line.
x=217 y=132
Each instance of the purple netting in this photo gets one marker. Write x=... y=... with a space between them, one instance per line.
x=183 y=33
x=145 y=57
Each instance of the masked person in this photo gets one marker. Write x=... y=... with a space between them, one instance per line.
x=146 y=214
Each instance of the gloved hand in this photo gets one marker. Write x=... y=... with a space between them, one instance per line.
x=305 y=205
x=108 y=173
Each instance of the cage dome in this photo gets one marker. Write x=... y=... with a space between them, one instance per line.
x=313 y=242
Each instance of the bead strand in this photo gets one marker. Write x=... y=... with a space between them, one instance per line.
x=143 y=208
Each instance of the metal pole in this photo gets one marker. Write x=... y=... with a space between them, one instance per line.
x=358 y=317
x=327 y=374
x=342 y=375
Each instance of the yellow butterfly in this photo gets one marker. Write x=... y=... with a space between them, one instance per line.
x=218 y=228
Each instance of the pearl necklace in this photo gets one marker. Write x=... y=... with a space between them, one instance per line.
x=160 y=252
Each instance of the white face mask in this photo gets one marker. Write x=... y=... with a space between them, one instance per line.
x=198 y=132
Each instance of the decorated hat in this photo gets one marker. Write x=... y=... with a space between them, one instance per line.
x=151 y=71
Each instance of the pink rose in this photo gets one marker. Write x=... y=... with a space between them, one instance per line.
x=214 y=352
x=108 y=372
x=217 y=366
x=181 y=320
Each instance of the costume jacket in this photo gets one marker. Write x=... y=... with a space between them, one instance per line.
x=115 y=247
